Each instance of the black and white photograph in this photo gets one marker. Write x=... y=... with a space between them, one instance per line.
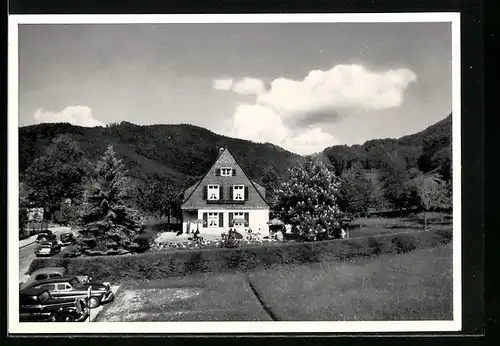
x=234 y=173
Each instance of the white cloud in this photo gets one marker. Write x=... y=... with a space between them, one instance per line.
x=76 y=115
x=249 y=86
x=342 y=87
x=288 y=113
x=262 y=124
x=309 y=142
x=222 y=84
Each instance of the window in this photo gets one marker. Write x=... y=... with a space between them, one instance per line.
x=238 y=192
x=61 y=287
x=41 y=277
x=49 y=287
x=239 y=220
x=55 y=275
x=213 y=192
x=226 y=171
x=213 y=219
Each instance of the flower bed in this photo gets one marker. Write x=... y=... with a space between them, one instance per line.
x=206 y=244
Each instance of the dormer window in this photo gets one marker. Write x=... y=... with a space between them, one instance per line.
x=226 y=171
x=213 y=193
x=239 y=192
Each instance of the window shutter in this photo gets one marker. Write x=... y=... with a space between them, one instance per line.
x=217 y=171
x=247 y=219
x=234 y=171
x=231 y=196
x=246 y=193
x=205 y=219
x=205 y=192
x=231 y=217
x=221 y=219
x=221 y=192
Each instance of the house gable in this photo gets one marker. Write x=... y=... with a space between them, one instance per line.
x=197 y=199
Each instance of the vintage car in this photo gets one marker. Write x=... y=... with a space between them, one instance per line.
x=45 y=236
x=47 y=248
x=37 y=305
x=73 y=287
x=67 y=239
x=50 y=273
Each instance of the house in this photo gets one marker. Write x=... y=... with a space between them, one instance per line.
x=225 y=198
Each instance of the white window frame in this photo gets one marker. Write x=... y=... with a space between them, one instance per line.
x=238 y=216
x=212 y=220
x=209 y=194
x=226 y=171
x=241 y=190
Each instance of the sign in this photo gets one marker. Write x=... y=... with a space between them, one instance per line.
x=35 y=214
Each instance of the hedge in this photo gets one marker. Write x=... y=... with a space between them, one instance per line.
x=161 y=264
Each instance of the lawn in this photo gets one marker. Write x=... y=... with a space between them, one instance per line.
x=412 y=286
x=199 y=297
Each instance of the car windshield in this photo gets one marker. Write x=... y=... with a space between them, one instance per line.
x=75 y=282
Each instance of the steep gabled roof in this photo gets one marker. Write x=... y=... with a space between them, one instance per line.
x=224 y=155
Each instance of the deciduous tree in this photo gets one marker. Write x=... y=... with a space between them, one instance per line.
x=434 y=194
x=308 y=200
x=355 y=191
x=58 y=174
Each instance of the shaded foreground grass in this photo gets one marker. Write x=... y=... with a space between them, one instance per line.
x=411 y=286
x=198 y=297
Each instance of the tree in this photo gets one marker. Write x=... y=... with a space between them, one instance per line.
x=398 y=187
x=107 y=222
x=270 y=181
x=58 y=174
x=355 y=191
x=308 y=200
x=158 y=198
x=434 y=194
x=23 y=206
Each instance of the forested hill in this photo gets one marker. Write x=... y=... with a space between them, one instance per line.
x=427 y=150
x=177 y=153
x=182 y=153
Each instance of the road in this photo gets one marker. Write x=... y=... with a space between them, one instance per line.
x=27 y=253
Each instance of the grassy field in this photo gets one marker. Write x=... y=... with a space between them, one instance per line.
x=411 y=286
x=199 y=297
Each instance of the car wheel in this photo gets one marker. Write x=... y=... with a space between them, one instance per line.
x=65 y=318
x=94 y=302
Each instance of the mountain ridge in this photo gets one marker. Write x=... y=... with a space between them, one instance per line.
x=180 y=153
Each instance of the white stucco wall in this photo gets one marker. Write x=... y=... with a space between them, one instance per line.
x=256 y=218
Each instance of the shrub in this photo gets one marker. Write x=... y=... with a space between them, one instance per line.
x=161 y=264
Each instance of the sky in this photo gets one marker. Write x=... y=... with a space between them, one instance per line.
x=302 y=86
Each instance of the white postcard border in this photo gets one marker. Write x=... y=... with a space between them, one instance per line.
x=16 y=327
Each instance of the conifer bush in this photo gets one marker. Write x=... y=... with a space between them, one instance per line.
x=108 y=224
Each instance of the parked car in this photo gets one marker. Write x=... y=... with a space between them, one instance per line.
x=51 y=273
x=73 y=287
x=46 y=236
x=37 y=305
x=47 y=249
x=67 y=239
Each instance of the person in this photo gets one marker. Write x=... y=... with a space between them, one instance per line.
x=279 y=235
x=343 y=233
x=196 y=235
